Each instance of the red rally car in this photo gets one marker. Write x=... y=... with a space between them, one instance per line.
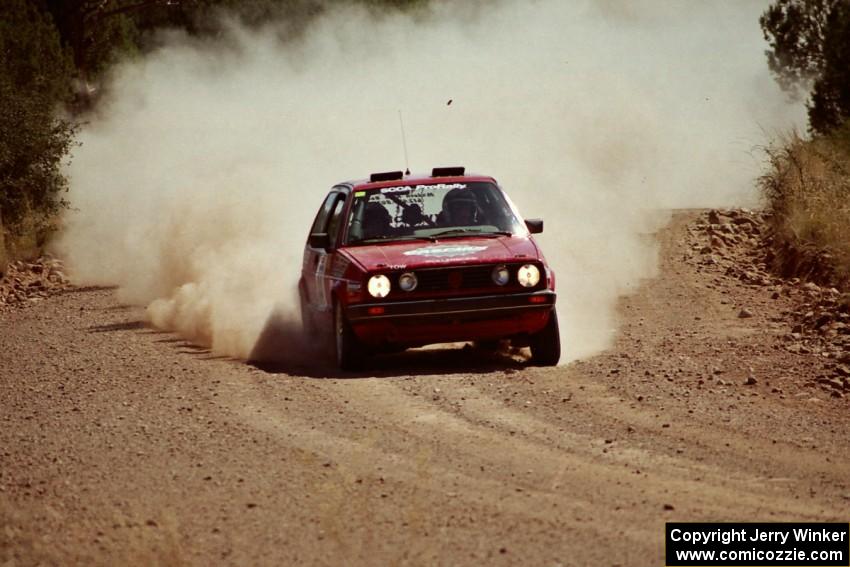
x=399 y=261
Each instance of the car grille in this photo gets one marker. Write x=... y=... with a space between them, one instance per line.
x=455 y=278
x=462 y=279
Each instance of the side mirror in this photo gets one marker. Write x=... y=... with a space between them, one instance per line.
x=319 y=240
x=535 y=226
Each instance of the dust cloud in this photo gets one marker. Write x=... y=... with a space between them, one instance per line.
x=197 y=179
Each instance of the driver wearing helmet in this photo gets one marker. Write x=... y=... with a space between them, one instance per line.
x=460 y=208
x=376 y=221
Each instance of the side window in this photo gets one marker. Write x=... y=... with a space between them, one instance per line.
x=323 y=214
x=336 y=216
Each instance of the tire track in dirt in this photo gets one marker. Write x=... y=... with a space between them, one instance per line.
x=598 y=405
x=521 y=432
x=534 y=463
x=419 y=474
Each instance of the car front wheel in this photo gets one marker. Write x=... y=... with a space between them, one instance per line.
x=546 y=345
x=349 y=354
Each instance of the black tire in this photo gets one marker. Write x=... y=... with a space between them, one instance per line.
x=349 y=353
x=546 y=345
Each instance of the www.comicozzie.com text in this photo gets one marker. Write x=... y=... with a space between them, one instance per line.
x=726 y=536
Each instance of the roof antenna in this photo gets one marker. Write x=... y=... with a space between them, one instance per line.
x=404 y=144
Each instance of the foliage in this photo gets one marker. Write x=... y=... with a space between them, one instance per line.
x=810 y=52
x=99 y=31
x=34 y=78
x=46 y=44
x=203 y=17
x=30 y=51
x=114 y=39
x=807 y=187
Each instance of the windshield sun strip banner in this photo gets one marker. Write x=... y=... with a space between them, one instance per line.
x=440 y=186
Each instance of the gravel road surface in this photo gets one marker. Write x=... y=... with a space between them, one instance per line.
x=123 y=444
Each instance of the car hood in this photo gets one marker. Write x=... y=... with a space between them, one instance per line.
x=444 y=252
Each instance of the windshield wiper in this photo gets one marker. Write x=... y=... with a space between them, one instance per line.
x=468 y=231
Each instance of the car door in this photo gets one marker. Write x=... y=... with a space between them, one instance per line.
x=326 y=270
x=316 y=258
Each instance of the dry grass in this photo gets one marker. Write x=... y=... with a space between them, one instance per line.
x=28 y=238
x=807 y=187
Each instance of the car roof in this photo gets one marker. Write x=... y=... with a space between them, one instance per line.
x=417 y=179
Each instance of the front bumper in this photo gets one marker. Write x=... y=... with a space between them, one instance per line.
x=422 y=322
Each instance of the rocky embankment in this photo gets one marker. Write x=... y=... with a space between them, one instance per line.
x=25 y=283
x=735 y=246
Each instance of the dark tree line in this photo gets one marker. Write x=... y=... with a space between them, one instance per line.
x=53 y=51
x=96 y=31
x=810 y=53
x=35 y=75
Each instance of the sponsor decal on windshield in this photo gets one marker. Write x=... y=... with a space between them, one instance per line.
x=401 y=188
x=445 y=251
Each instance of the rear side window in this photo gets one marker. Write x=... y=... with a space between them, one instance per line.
x=323 y=214
x=336 y=216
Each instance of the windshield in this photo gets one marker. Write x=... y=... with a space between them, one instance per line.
x=430 y=211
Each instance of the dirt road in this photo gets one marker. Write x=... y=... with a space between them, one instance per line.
x=122 y=443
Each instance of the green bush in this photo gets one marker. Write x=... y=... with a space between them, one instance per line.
x=35 y=76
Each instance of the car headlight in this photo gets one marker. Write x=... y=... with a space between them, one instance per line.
x=501 y=275
x=408 y=281
x=379 y=286
x=528 y=275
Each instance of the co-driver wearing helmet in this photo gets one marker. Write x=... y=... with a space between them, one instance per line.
x=460 y=208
